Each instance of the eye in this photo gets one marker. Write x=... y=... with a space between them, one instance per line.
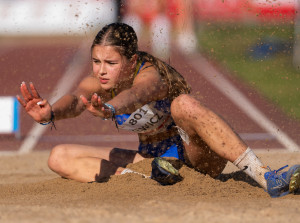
x=96 y=61
x=112 y=63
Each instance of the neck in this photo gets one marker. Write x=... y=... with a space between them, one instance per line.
x=123 y=85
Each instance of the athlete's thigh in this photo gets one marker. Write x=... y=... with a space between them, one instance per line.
x=118 y=156
x=202 y=158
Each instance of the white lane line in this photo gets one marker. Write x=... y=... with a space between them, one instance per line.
x=73 y=72
x=257 y=136
x=90 y=138
x=198 y=62
x=131 y=138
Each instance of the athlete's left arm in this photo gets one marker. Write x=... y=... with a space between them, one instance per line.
x=148 y=86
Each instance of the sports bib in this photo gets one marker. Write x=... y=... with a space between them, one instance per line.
x=150 y=118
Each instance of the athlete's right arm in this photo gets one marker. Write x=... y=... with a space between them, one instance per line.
x=70 y=105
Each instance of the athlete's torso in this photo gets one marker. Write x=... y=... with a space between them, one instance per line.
x=150 y=119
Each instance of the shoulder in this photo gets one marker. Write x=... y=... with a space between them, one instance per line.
x=147 y=66
x=149 y=82
x=147 y=73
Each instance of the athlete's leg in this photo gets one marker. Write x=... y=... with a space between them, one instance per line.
x=202 y=158
x=203 y=125
x=196 y=119
x=88 y=163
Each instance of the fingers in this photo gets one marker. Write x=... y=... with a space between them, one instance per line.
x=100 y=101
x=29 y=95
x=96 y=101
x=25 y=93
x=42 y=103
x=35 y=94
x=21 y=101
x=84 y=100
x=95 y=106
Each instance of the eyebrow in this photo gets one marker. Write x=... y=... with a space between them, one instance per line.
x=104 y=60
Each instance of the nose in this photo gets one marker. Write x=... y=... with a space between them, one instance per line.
x=102 y=70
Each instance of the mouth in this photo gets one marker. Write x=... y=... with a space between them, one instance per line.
x=103 y=80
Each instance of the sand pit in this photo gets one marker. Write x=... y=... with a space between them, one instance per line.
x=30 y=192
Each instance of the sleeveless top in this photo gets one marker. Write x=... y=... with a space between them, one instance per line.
x=150 y=119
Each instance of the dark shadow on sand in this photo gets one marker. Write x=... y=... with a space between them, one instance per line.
x=238 y=176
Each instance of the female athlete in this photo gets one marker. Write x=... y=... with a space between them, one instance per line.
x=147 y=96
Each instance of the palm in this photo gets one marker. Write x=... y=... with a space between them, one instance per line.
x=37 y=112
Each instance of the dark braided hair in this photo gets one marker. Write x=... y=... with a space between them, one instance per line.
x=120 y=35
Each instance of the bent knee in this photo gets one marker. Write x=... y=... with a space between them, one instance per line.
x=180 y=104
x=185 y=106
x=58 y=159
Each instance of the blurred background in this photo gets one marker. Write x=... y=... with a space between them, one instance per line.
x=254 y=44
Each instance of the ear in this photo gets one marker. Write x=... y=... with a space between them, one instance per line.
x=133 y=61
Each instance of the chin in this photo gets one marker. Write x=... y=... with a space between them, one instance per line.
x=106 y=87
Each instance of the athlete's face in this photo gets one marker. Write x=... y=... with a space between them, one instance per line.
x=110 y=67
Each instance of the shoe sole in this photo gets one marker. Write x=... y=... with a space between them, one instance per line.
x=166 y=165
x=295 y=181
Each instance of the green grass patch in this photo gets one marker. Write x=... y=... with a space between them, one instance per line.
x=259 y=55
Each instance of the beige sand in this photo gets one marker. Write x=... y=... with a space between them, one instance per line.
x=30 y=192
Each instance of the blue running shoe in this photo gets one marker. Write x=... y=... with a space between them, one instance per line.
x=280 y=184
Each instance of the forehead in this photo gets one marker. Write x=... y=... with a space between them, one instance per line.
x=105 y=52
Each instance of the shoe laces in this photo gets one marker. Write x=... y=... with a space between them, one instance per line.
x=273 y=173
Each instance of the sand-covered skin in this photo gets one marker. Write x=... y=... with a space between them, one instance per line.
x=30 y=192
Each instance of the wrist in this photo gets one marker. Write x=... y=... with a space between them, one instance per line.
x=52 y=117
x=112 y=110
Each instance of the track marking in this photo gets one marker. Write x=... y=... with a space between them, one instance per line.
x=258 y=151
x=217 y=79
x=90 y=138
x=257 y=136
x=131 y=138
x=73 y=72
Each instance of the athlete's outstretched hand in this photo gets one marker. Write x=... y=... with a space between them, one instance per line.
x=96 y=106
x=35 y=106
